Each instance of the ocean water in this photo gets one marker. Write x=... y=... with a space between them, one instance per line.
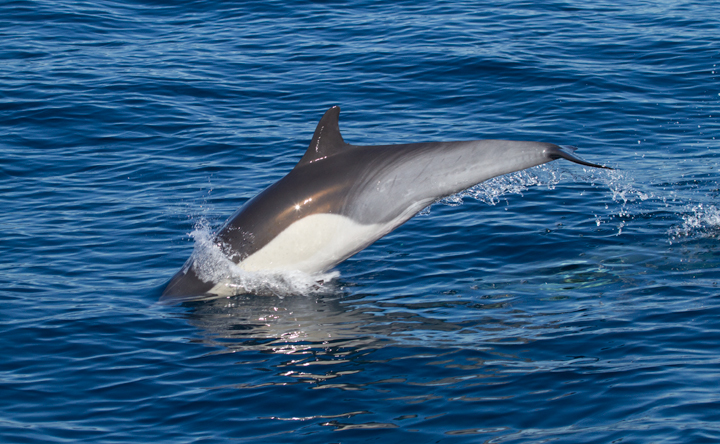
x=561 y=304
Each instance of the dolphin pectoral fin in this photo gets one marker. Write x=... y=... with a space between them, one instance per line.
x=567 y=152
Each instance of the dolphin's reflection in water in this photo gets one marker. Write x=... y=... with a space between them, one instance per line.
x=351 y=323
x=351 y=359
x=284 y=325
x=418 y=356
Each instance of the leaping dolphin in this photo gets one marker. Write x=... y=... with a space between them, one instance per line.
x=340 y=198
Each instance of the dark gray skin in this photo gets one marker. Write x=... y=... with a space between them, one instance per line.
x=383 y=185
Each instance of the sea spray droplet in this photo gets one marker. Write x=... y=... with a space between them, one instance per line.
x=491 y=191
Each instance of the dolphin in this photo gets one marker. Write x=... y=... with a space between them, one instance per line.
x=340 y=198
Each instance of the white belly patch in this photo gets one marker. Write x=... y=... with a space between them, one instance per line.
x=313 y=244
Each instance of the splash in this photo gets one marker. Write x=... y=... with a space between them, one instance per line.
x=492 y=191
x=623 y=205
x=656 y=202
x=625 y=193
x=212 y=265
x=698 y=221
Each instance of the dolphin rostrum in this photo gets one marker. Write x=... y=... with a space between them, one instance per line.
x=340 y=198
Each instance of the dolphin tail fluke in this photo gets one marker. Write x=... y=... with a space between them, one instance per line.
x=567 y=152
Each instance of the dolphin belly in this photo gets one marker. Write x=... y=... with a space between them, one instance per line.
x=313 y=244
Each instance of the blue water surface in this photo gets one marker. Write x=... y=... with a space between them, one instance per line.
x=559 y=305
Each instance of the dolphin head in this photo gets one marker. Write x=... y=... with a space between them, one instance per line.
x=186 y=285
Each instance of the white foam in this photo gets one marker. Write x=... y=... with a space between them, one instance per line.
x=699 y=220
x=492 y=191
x=212 y=265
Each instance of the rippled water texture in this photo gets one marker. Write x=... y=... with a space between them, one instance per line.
x=556 y=305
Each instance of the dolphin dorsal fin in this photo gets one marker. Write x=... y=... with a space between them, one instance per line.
x=327 y=138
